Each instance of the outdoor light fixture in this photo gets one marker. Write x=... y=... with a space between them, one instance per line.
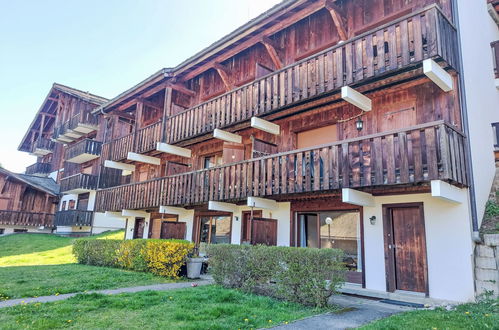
x=328 y=221
x=359 y=124
x=373 y=220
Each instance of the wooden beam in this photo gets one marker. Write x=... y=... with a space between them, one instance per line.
x=122 y=114
x=173 y=150
x=446 y=192
x=337 y=15
x=143 y=158
x=227 y=136
x=224 y=75
x=438 y=75
x=359 y=100
x=262 y=203
x=271 y=48
x=152 y=105
x=181 y=89
x=356 y=197
x=265 y=126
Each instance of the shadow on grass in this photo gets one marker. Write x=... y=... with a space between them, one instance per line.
x=17 y=244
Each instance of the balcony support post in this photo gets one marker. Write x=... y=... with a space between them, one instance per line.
x=356 y=197
x=265 y=126
x=359 y=100
x=438 y=75
x=337 y=16
x=446 y=192
x=262 y=203
x=172 y=210
x=119 y=166
x=223 y=72
x=227 y=136
x=222 y=206
x=143 y=158
x=173 y=150
x=134 y=213
x=271 y=48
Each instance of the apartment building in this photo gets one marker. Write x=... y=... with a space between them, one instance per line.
x=65 y=137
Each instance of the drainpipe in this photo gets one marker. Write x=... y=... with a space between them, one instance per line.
x=464 y=118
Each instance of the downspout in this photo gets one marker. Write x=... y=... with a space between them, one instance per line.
x=98 y=177
x=464 y=118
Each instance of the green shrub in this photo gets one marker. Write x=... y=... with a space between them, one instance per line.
x=161 y=257
x=304 y=275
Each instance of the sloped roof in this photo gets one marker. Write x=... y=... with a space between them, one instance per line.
x=44 y=184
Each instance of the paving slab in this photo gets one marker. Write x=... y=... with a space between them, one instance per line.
x=356 y=312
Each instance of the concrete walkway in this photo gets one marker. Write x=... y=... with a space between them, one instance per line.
x=357 y=312
x=154 y=287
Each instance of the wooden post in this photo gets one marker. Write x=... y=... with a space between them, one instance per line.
x=167 y=112
x=138 y=120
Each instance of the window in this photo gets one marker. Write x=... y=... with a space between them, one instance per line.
x=212 y=161
x=20 y=230
x=215 y=229
x=2 y=231
x=317 y=136
x=63 y=207
x=71 y=204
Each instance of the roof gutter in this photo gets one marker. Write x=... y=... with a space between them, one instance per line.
x=464 y=118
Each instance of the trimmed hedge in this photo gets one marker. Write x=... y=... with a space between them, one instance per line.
x=160 y=257
x=304 y=275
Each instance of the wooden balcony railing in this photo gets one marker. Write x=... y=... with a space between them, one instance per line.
x=22 y=218
x=39 y=169
x=79 y=183
x=141 y=141
x=42 y=146
x=80 y=124
x=410 y=156
x=73 y=218
x=393 y=47
x=495 y=54
x=86 y=147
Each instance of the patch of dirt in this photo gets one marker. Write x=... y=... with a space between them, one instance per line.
x=490 y=225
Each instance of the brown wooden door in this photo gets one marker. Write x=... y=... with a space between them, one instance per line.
x=264 y=231
x=245 y=226
x=138 y=230
x=405 y=248
x=172 y=230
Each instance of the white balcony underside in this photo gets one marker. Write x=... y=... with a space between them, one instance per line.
x=77 y=191
x=82 y=158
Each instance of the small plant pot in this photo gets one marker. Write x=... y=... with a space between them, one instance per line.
x=194 y=266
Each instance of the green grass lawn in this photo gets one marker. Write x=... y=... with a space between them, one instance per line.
x=207 y=307
x=40 y=264
x=482 y=315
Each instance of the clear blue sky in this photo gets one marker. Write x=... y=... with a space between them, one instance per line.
x=103 y=47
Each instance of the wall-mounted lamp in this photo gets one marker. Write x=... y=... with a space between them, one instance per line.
x=359 y=124
x=236 y=218
x=328 y=220
x=373 y=220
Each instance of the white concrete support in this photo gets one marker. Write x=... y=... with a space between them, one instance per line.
x=143 y=158
x=173 y=150
x=265 y=126
x=447 y=192
x=134 y=213
x=438 y=75
x=227 y=136
x=359 y=100
x=222 y=206
x=119 y=166
x=262 y=203
x=113 y=214
x=171 y=210
x=357 y=197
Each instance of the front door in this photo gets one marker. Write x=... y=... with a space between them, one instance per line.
x=405 y=247
x=138 y=230
x=172 y=230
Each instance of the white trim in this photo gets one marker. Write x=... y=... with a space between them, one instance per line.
x=221 y=206
x=134 y=213
x=143 y=158
x=171 y=210
x=262 y=203
x=265 y=126
x=445 y=191
x=119 y=166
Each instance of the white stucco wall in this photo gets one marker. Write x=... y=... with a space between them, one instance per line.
x=67 y=198
x=104 y=223
x=478 y=30
x=448 y=244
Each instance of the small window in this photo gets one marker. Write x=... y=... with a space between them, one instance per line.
x=2 y=231
x=20 y=230
x=63 y=207
x=212 y=161
x=71 y=204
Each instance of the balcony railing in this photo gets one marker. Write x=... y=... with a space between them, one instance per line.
x=396 y=46
x=39 y=169
x=22 y=218
x=42 y=147
x=143 y=140
x=73 y=218
x=83 y=151
x=410 y=156
x=80 y=124
x=79 y=183
x=495 y=54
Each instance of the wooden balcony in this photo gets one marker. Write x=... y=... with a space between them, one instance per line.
x=83 y=151
x=77 y=126
x=38 y=168
x=79 y=183
x=42 y=147
x=22 y=218
x=388 y=51
x=72 y=218
x=495 y=52
x=412 y=156
x=140 y=141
